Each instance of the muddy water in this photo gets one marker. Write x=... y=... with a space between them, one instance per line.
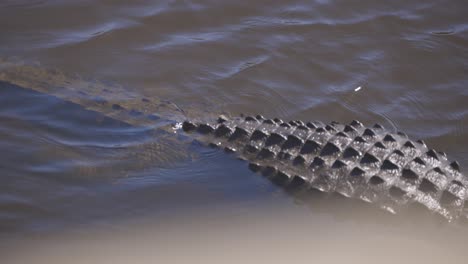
x=64 y=168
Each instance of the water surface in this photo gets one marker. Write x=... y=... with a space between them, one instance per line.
x=64 y=168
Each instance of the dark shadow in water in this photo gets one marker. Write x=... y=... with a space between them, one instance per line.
x=60 y=161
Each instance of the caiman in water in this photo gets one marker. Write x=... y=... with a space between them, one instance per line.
x=365 y=163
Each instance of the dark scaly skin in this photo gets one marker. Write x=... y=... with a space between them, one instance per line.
x=370 y=164
x=367 y=163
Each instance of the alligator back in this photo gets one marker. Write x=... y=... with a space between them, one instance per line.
x=151 y=115
x=367 y=163
x=109 y=99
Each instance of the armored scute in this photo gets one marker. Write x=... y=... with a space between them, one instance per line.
x=367 y=163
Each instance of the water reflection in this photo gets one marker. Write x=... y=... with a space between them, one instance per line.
x=63 y=165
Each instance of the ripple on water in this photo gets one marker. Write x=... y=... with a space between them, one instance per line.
x=185 y=39
x=288 y=59
x=21 y=3
x=237 y=67
x=61 y=38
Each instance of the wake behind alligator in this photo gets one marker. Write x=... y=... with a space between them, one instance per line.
x=371 y=164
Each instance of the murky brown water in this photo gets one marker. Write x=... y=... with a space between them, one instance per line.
x=64 y=168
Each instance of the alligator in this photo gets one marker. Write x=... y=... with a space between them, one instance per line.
x=370 y=164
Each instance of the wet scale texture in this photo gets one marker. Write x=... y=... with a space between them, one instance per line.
x=367 y=163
